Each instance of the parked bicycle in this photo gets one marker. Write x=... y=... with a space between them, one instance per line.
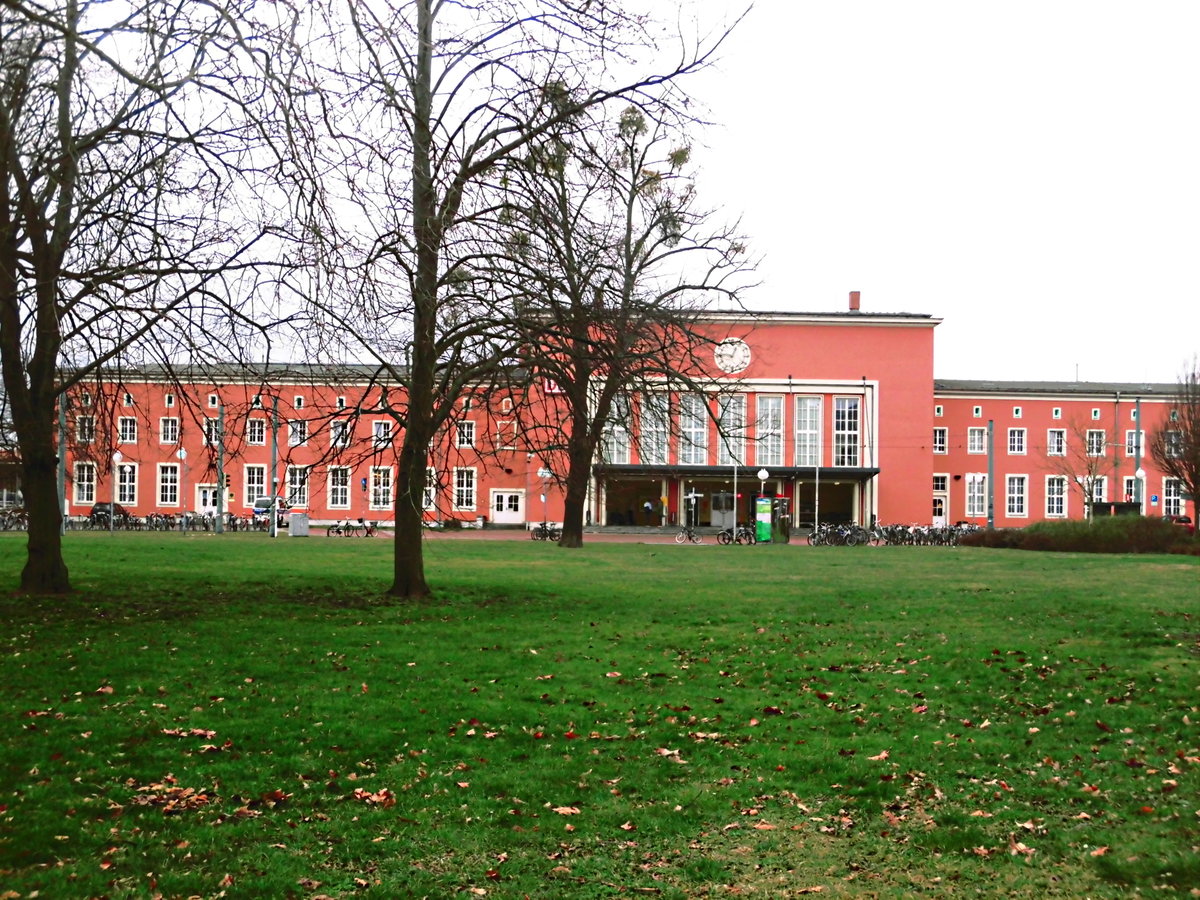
x=688 y=534
x=743 y=534
x=545 y=532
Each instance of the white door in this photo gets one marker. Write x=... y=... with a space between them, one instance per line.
x=508 y=507
x=939 y=510
x=206 y=495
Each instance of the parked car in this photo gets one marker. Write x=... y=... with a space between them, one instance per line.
x=1184 y=522
x=262 y=509
x=100 y=512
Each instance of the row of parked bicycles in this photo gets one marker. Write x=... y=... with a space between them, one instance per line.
x=848 y=535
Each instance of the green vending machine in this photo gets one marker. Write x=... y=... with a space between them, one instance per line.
x=762 y=519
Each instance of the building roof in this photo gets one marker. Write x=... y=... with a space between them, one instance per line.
x=1102 y=389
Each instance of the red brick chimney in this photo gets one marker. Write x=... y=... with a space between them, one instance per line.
x=854 y=295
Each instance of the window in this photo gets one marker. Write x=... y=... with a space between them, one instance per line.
x=256 y=483
x=550 y=386
x=1016 y=441
x=808 y=431
x=381 y=487
x=731 y=414
x=297 y=485
x=1173 y=416
x=939 y=440
x=976 y=411
x=127 y=430
x=297 y=433
x=168 y=484
x=212 y=432
x=1095 y=413
x=937 y=411
x=381 y=432
x=941 y=483
x=845 y=431
x=85 y=399
x=339 y=433
x=1173 y=444
x=1056 y=413
x=213 y=401
x=1095 y=442
x=1056 y=496
x=693 y=430
x=1131 y=489
x=768 y=448
x=127 y=484
x=341 y=402
x=339 y=487
x=977 y=440
x=256 y=403
x=127 y=400
x=506 y=435
x=466 y=434
x=1172 y=497
x=169 y=401
x=506 y=405
x=1015 y=495
x=976 y=494
x=1096 y=485
x=85 y=482
x=256 y=432
x=614 y=447
x=654 y=428
x=1056 y=442
x=298 y=402
x=429 y=498
x=85 y=429
x=168 y=430
x=1135 y=442
x=1016 y=412
x=464 y=488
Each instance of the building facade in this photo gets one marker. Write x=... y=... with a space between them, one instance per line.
x=836 y=414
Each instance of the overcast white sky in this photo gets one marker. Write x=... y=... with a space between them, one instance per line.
x=1027 y=170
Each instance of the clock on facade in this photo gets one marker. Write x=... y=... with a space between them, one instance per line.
x=732 y=355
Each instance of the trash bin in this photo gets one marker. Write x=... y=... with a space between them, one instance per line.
x=480 y=521
x=298 y=525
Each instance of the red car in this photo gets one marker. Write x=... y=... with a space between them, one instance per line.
x=1183 y=522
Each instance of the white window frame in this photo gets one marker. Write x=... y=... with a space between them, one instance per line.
x=465 y=487
x=976 y=412
x=847 y=425
x=382 y=484
x=1057 y=496
x=464 y=432
x=506 y=434
x=168 y=430
x=975 y=488
x=169 y=486
x=84 y=483
x=1172 y=492
x=1056 y=412
x=693 y=430
x=808 y=430
x=85 y=429
x=297 y=485
x=259 y=425
x=731 y=435
x=127 y=430
x=338 y=487
x=429 y=493
x=381 y=433
x=768 y=430
x=940 y=440
x=1016 y=441
x=938 y=411
x=1056 y=442
x=212 y=432
x=977 y=440
x=1017 y=412
x=127 y=483
x=654 y=430
x=297 y=433
x=1135 y=440
x=1173 y=444
x=1016 y=496
x=255 y=487
x=1097 y=441
x=169 y=401
x=339 y=434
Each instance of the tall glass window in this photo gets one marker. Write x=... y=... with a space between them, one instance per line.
x=808 y=431
x=256 y=483
x=381 y=487
x=845 y=431
x=1016 y=495
x=339 y=487
x=976 y=494
x=85 y=482
x=1056 y=496
x=693 y=430
x=653 y=430
x=768 y=428
x=168 y=484
x=731 y=447
x=297 y=481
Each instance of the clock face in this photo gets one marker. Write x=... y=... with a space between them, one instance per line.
x=732 y=355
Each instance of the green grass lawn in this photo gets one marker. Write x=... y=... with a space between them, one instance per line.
x=251 y=718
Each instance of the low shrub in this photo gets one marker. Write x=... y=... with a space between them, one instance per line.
x=1109 y=534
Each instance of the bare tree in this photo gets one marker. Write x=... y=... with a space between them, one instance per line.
x=1175 y=445
x=1081 y=459
x=422 y=103
x=123 y=130
x=618 y=261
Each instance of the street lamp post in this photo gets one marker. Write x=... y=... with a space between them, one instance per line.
x=1140 y=487
x=763 y=475
x=116 y=474
x=182 y=454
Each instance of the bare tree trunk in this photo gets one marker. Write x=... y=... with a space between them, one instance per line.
x=45 y=571
x=579 y=466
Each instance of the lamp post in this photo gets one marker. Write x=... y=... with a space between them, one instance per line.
x=763 y=475
x=116 y=473
x=1140 y=487
x=182 y=454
